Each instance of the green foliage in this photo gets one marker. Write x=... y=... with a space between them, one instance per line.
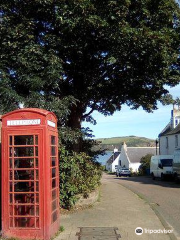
x=95 y=55
x=168 y=99
x=145 y=163
x=78 y=175
x=61 y=229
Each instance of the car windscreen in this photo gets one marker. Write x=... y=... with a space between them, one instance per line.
x=166 y=162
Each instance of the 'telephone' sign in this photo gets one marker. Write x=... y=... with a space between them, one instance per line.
x=23 y=122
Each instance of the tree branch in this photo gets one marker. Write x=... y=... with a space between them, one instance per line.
x=89 y=113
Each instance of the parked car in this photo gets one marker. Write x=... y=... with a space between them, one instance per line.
x=123 y=172
x=161 y=166
x=176 y=165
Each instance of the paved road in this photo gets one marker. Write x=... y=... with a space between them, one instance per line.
x=164 y=194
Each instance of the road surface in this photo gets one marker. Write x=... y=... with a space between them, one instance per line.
x=164 y=194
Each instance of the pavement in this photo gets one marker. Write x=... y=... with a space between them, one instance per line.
x=118 y=207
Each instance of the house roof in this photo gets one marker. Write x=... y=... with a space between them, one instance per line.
x=136 y=153
x=113 y=157
x=175 y=130
x=165 y=130
x=169 y=131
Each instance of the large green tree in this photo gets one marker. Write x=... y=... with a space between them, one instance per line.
x=74 y=57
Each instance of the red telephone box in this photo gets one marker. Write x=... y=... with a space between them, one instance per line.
x=30 y=174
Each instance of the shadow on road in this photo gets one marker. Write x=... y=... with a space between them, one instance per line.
x=147 y=180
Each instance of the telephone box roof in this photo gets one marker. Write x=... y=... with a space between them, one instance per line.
x=35 y=110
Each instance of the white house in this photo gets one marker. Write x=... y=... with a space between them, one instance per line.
x=113 y=161
x=169 y=138
x=130 y=156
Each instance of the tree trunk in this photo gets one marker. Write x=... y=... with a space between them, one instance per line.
x=74 y=123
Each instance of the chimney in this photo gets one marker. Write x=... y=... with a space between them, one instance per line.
x=125 y=146
x=115 y=150
x=175 y=117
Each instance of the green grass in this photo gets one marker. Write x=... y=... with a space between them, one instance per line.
x=61 y=229
x=99 y=196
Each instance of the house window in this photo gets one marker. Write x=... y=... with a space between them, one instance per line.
x=167 y=142
x=176 y=140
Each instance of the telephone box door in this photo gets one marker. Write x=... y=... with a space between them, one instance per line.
x=23 y=201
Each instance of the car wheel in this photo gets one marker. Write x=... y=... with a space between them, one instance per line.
x=119 y=175
x=176 y=179
x=162 y=177
x=153 y=177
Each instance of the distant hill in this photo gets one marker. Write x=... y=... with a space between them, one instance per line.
x=131 y=141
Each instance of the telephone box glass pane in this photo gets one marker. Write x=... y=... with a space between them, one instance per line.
x=10 y=163
x=24 y=174
x=11 y=187
x=25 y=222
x=24 y=198
x=11 y=222
x=53 y=183
x=53 y=161
x=36 y=162
x=36 y=140
x=11 y=210
x=10 y=175
x=54 y=216
x=36 y=148
x=37 y=186
x=24 y=163
x=37 y=210
x=23 y=151
x=54 y=194
x=24 y=187
x=10 y=152
x=23 y=140
x=23 y=210
x=54 y=205
x=10 y=140
x=11 y=198
x=53 y=172
x=53 y=140
x=37 y=222
x=53 y=151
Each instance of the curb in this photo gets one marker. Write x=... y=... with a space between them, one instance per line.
x=155 y=209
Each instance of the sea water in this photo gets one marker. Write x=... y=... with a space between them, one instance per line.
x=103 y=159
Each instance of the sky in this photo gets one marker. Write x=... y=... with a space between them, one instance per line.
x=133 y=122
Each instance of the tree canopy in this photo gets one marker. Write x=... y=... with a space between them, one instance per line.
x=74 y=57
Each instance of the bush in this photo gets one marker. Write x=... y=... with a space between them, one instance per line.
x=145 y=164
x=78 y=175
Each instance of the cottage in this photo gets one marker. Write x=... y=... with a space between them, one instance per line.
x=130 y=156
x=113 y=161
x=169 y=138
